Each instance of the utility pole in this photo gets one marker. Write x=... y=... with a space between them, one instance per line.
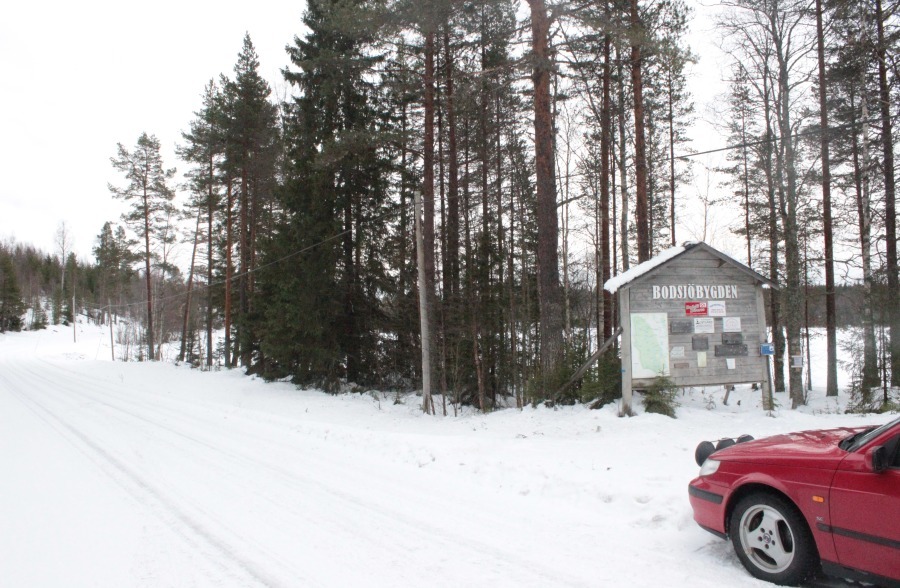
x=112 y=347
x=427 y=404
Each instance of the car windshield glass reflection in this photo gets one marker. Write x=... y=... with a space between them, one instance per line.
x=856 y=441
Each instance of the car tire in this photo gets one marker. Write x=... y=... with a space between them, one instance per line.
x=772 y=539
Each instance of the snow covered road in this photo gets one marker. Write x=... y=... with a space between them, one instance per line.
x=117 y=474
x=243 y=500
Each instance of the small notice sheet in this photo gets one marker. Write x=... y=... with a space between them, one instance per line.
x=704 y=325
x=731 y=324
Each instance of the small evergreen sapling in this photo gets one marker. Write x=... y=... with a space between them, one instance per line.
x=660 y=397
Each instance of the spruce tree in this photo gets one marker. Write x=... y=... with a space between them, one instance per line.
x=11 y=306
x=251 y=150
x=114 y=257
x=322 y=311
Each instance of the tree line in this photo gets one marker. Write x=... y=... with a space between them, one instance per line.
x=550 y=152
x=812 y=85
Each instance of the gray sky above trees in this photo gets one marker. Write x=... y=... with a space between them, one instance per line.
x=80 y=77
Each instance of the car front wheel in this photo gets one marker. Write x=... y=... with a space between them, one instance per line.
x=772 y=540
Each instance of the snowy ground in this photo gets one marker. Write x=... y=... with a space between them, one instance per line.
x=128 y=474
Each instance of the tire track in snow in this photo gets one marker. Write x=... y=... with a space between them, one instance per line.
x=170 y=438
x=405 y=528
x=179 y=521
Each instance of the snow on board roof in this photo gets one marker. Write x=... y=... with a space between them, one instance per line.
x=614 y=283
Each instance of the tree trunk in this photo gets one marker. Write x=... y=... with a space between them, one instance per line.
x=209 y=265
x=445 y=259
x=513 y=320
x=547 y=223
x=405 y=340
x=869 y=375
x=424 y=312
x=830 y=312
x=793 y=294
x=605 y=155
x=228 y=271
x=484 y=262
x=428 y=160
x=428 y=179
x=890 y=210
x=474 y=322
x=671 y=100
x=244 y=276
x=623 y=171
x=452 y=228
x=351 y=334
x=775 y=295
x=746 y=185
x=642 y=207
x=150 y=347
x=190 y=284
x=502 y=367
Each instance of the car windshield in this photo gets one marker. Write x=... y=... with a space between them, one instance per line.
x=856 y=441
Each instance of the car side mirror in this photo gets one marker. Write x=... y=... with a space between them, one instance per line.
x=876 y=459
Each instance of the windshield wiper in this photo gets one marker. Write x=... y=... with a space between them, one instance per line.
x=848 y=442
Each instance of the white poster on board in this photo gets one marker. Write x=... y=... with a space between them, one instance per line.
x=731 y=324
x=704 y=325
x=715 y=308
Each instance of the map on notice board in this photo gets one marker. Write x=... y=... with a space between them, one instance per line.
x=649 y=345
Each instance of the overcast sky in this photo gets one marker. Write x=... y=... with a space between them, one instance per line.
x=80 y=77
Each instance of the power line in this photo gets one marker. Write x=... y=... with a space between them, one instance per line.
x=774 y=140
x=248 y=272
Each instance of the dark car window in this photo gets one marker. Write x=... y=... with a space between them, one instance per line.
x=896 y=444
x=859 y=441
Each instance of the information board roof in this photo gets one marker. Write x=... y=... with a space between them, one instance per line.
x=640 y=270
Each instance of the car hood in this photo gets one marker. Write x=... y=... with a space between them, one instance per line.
x=802 y=449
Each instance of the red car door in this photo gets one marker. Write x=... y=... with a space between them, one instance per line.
x=865 y=511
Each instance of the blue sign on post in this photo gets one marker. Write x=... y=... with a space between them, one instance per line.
x=767 y=349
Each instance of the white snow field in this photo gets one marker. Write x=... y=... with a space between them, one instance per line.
x=133 y=474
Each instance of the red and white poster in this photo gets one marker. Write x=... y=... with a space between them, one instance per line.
x=695 y=309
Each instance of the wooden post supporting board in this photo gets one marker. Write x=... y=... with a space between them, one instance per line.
x=625 y=323
x=763 y=338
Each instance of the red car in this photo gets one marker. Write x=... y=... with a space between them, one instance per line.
x=792 y=502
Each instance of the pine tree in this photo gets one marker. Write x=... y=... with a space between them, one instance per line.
x=669 y=111
x=549 y=294
x=890 y=205
x=642 y=204
x=830 y=312
x=204 y=147
x=151 y=207
x=854 y=175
